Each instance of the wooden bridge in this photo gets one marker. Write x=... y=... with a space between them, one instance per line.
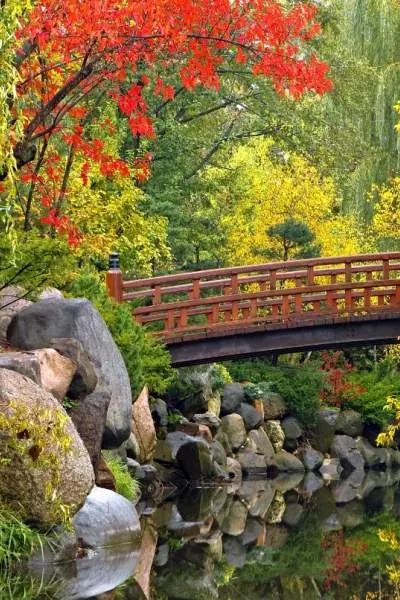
x=237 y=312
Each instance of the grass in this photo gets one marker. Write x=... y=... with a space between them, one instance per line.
x=126 y=485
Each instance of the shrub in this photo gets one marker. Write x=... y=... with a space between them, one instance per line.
x=126 y=485
x=220 y=377
x=146 y=359
x=372 y=401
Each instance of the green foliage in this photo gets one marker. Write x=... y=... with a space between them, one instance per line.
x=295 y=240
x=299 y=385
x=146 y=359
x=25 y=587
x=220 y=377
x=257 y=391
x=371 y=403
x=126 y=485
x=17 y=539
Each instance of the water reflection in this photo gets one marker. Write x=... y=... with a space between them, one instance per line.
x=281 y=539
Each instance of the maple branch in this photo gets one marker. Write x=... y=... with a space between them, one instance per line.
x=213 y=150
x=29 y=200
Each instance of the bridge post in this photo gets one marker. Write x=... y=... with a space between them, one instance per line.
x=114 y=278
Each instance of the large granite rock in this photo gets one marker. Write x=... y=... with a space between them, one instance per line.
x=275 y=434
x=262 y=444
x=292 y=428
x=46 y=367
x=85 y=379
x=41 y=450
x=233 y=396
x=344 y=447
x=371 y=455
x=274 y=406
x=293 y=514
x=331 y=469
x=324 y=429
x=349 y=422
x=12 y=300
x=284 y=461
x=234 y=552
x=107 y=519
x=36 y=325
x=233 y=427
x=209 y=419
x=251 y=417
x=159 y=412
x=194 y=390
x=143 y=427
x=311 y=459
x=251 y=462
x=234 y=522
x=166 y=450
x=194 y=458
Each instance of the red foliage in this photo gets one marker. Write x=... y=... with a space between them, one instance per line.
x=338 y=387
x=343 y=558
x=73 y=50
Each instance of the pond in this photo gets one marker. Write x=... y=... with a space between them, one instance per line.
x=286 y=538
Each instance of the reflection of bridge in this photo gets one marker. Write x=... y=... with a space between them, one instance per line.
x=278 y=307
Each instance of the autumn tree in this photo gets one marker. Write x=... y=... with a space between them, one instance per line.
x=296 y=240
x=71 y=56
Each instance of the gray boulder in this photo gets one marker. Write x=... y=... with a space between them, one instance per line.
x=251 y=462
x=284 y=461
x=218 y=453
x=324 y=429
x=46 y=453
x=251 y=417
x=344 y=447
x=232 y=397
x=89 y=418
x=293 y=514
x=233 y=427
x=348 y=489
x=251 y=532
x=12 y=300
x=284 y=481
x=107 y=519
x=262 y=444
x=209 y=419
x=38 y=324
x=194 y=458
x=274 y=406
x=349 y=422
x=234 y=552
x=292 y=428
x=159 y=412
x=351 y=514
x=371 y=455
x=85 y=379
x=166 y=450
x=311 y=459
x=234 y=522
x=331 y=469
x=234 y=470
x=310 y=484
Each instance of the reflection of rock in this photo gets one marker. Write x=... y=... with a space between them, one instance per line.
x=232 y=397
x=331 y=469
x=234 y=471
x=276 y=536
x=234 y=553
x=106 y=519
x=293 y=514
x=148 y=546
x=235 y=520
x=351 y=514
x=310 y=484
x=284 y=482
x=275 y=434
x=380 y=500
x=276 y=510
x=194 y=458
x=251 y=532
x=345 y=448
x=348 y=489
x=370 y=454
x=311 y=459
x=233 y=427
x=284 y=461
x=324 y=429
x=195 y=504
x=349 y=422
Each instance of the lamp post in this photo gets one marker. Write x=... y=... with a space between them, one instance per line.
x=114 y=278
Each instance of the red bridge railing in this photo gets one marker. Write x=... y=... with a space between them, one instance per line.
x=293 y=293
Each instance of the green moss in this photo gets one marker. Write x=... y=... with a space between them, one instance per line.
x=126 y=485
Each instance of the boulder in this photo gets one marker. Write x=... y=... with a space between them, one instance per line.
x=194 y=458
x=131 y=447
x=43 y=450
x=166 y=450
x=260 y=502
x=218 y=453
x=262 y=444
x=36 y=325
x=107 y=519
x=284 y=461
x=195 y=504
x=275 y=434
x=292 y=428
x=348 y=489
x=324 y=429
x=310 y=484
x=344 y=447
x=331 y=469
x=234 y=471
x=233 y=427
x=12 y=300
x=232 y=397
x=251 y=417
x=193 y=391
x=371 y=455
x=311 y=459
x=49 y=293
x=234 y=552
x=284 y=482
x=89 y=418
x=223 y=439
x=143 y=427
x=351 y=514
x=46 y=367
x=251 y=462
x=104 y=476
x=349 y=422
x=277 y=509
x=85 y=379
x=159 y=412
x=209 y=419
x=274 y=406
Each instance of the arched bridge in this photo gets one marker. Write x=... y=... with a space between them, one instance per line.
x=238 y=312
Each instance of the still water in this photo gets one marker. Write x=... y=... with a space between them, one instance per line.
x=284 y=539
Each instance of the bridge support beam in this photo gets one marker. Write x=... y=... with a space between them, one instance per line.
x=357 y=331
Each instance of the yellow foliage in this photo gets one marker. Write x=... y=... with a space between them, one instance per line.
x=386 y=437
x=263 y=192
x=108 y=215
x=386 y=219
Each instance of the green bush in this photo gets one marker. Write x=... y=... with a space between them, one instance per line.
x=371 y=403
x=146 y=359
x=300 y=385
x=126 y=485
